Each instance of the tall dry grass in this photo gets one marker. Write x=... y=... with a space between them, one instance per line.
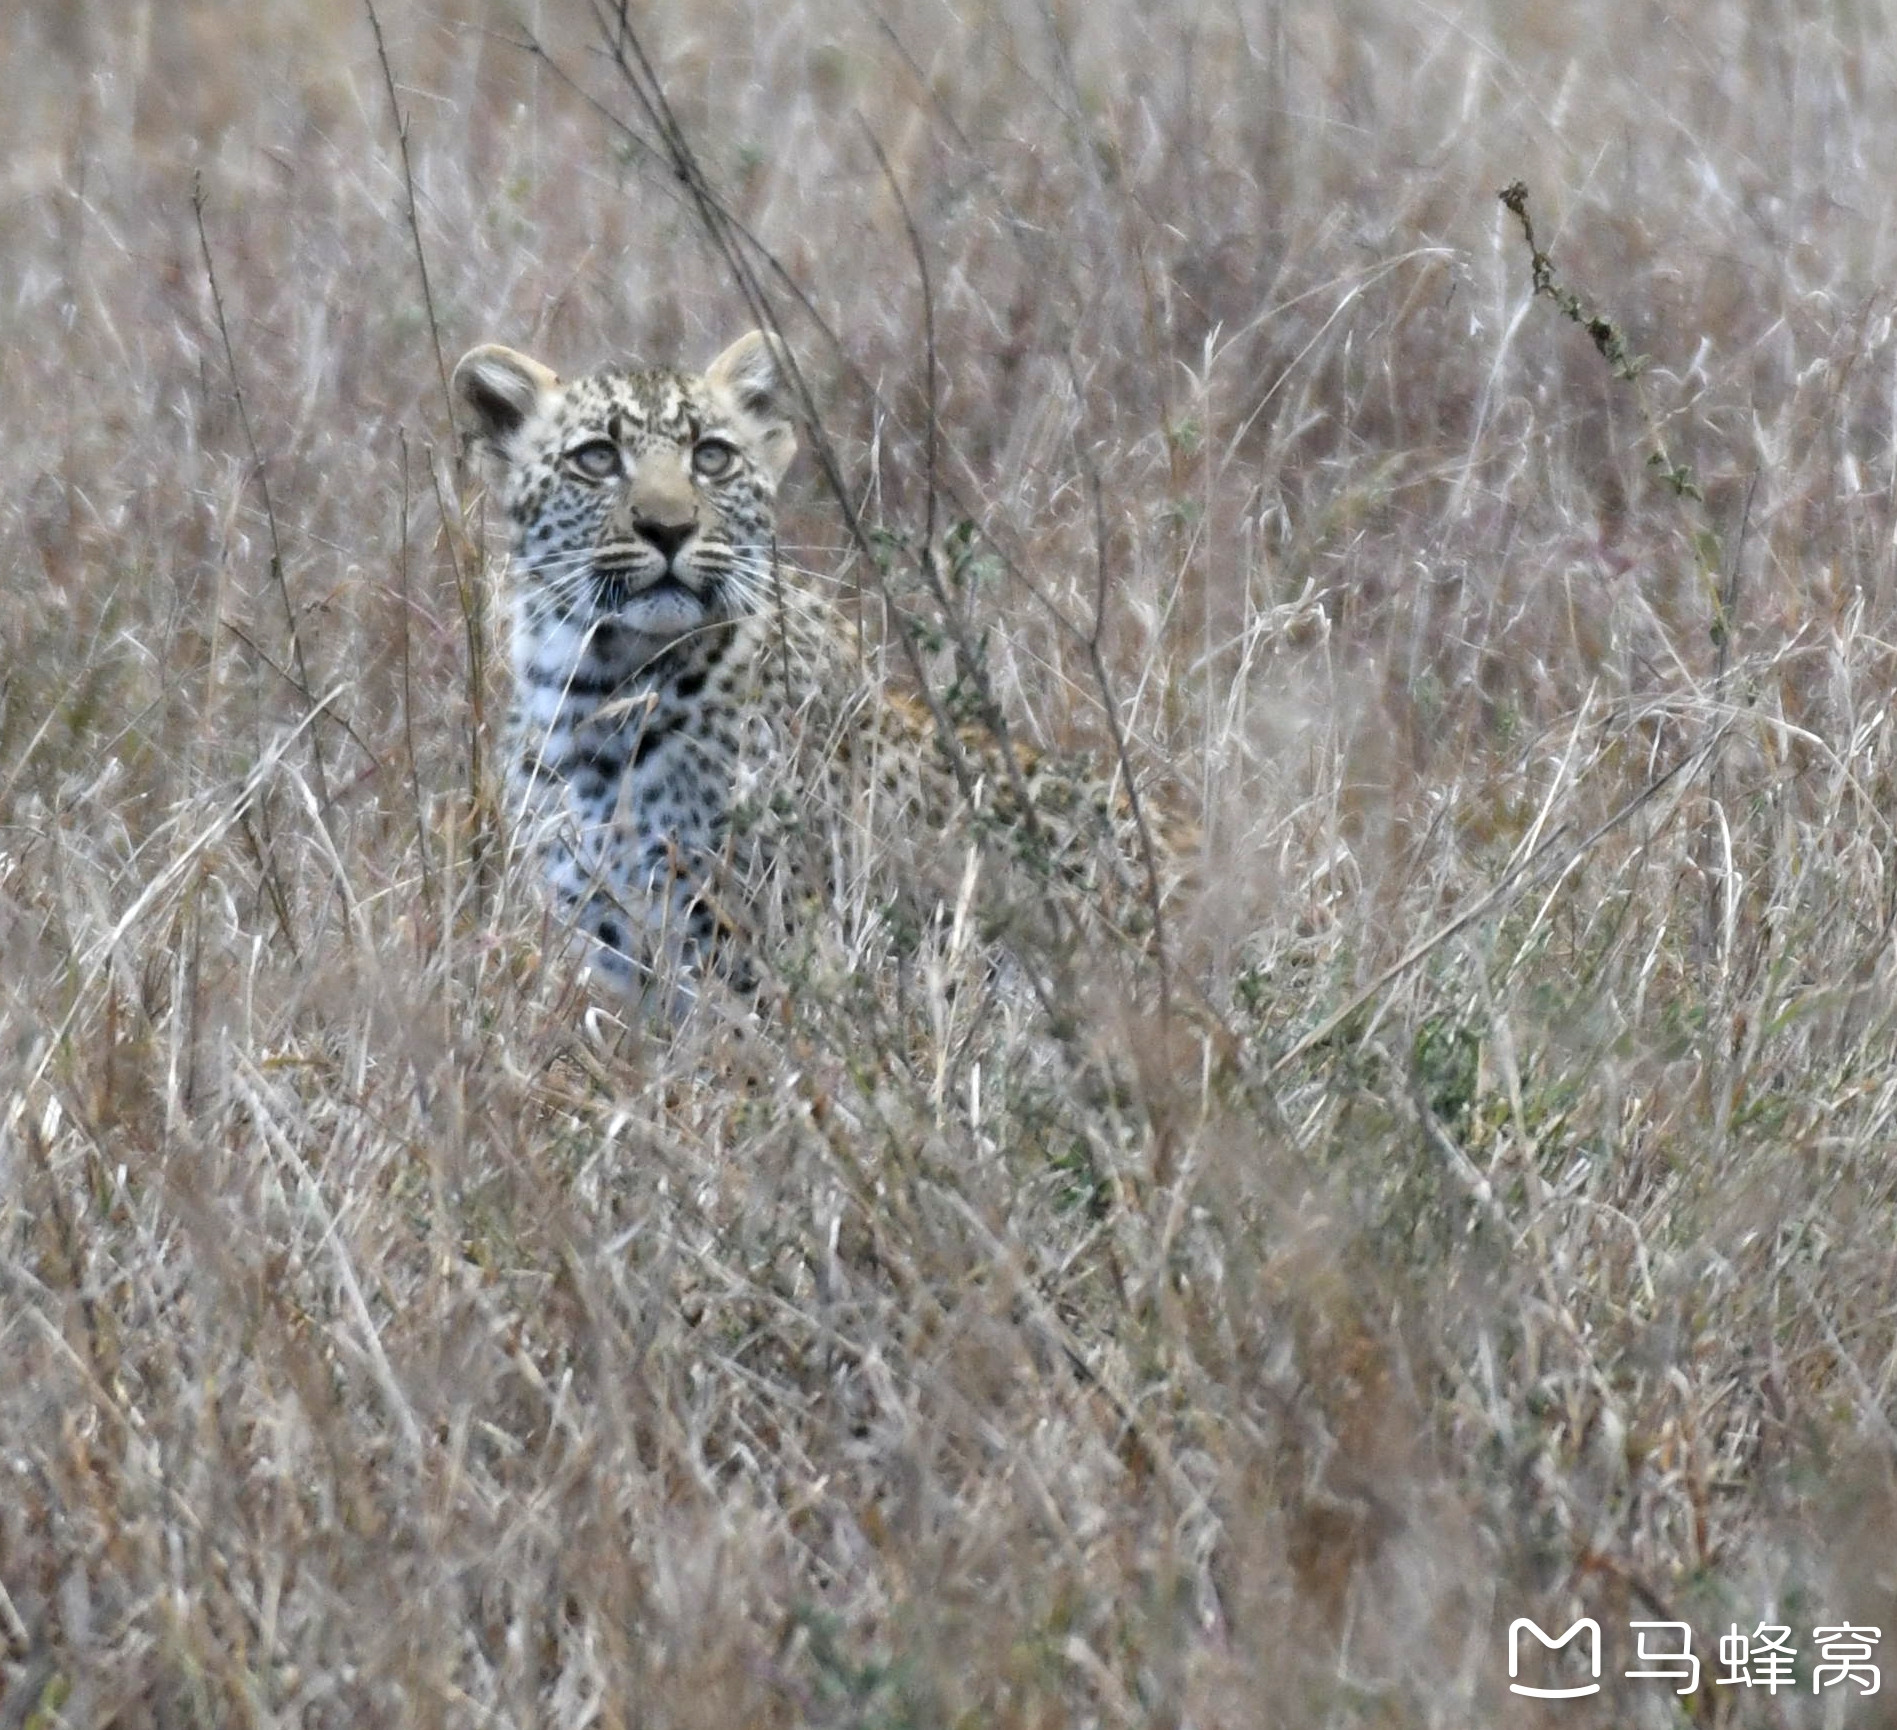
x=1500 y=1222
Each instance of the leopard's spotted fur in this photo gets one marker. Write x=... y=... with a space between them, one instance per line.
x=688 y=753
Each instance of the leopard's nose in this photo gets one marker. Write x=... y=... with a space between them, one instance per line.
x=668 y=538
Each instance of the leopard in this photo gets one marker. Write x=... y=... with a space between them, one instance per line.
x=699 y=751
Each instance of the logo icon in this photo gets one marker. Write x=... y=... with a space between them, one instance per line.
x=1593 y=1631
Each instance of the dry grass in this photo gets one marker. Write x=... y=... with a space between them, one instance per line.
x=383 y=1342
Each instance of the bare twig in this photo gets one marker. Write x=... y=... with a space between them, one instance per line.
x=410 y=211
x=1149 y=858
x=1606 y=336
x=277 y=572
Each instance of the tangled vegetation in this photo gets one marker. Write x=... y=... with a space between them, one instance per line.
x=1472 y=1202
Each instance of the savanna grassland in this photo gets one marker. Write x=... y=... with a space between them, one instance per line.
x=1478 y=1204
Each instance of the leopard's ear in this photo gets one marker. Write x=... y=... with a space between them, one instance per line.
x=753 y=377
x=500 y=388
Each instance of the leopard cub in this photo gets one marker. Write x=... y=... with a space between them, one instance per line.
x=700 y=751
x=641 y=508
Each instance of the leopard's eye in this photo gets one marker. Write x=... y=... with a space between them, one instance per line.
x=713 y=458
x=597 y=459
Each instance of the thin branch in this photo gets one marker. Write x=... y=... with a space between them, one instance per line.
x=1606 y=337
x=968 y=660
x=301 y=681
x=1149 y=858
x=414 y=221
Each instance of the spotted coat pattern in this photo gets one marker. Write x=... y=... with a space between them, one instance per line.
x=640 y=506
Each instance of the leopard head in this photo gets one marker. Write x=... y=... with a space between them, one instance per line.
x=643 y=496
